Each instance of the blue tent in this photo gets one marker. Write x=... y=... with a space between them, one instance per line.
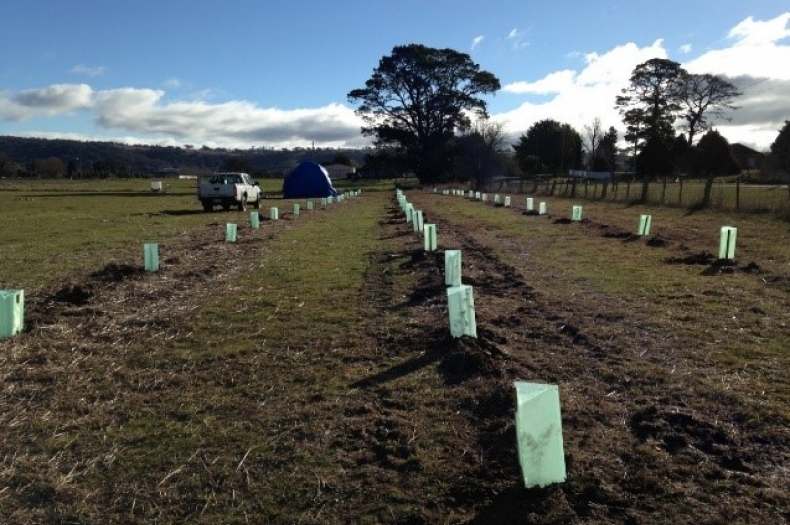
x=308 y=180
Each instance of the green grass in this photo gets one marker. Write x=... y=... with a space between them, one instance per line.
x=54 y=229
x=302 y=303
x=308 y=271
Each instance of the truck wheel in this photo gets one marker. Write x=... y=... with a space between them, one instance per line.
x=257 y=202
x=207 y=205
x=243 y=203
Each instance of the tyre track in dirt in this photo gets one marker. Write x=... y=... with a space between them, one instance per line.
x=641 y=440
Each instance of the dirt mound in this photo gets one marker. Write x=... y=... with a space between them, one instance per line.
x=114 y=272
x=467 y=357
x=73 y=294
x=657 y=242
x=700 y=258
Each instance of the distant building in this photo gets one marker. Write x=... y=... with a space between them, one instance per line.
x=339 y=171
x=167 y=172
x=747 y=158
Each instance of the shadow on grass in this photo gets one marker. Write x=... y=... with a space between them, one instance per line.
x=422 y=295
x=401 y=370
x=457 y=359
x=180 y=213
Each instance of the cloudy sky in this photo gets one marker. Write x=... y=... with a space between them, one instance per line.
x=249 y=73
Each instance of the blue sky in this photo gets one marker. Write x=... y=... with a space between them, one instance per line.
x=252 y=73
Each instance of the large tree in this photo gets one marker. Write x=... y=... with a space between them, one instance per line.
x=713 y=157
x=780 y=151
x=593 y=134
x=606 y=153
x=702 y=95
x=549 y=147
x=651 y=102
x=479 y=152
x=649 y=106
x=418 y=98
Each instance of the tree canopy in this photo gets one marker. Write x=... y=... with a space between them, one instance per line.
x=661 y=91
x=712 y=158
x=780 y=148
x=549 y=146
x=418 y=98
x=651 y=102
x=479 y=153
x=605 y=158
x=701 y=95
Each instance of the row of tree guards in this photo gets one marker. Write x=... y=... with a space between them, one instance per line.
x=12 y=302
x=727 y=235
x=538 y=419
x=538 y=416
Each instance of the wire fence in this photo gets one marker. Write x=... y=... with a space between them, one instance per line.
x=728 y=196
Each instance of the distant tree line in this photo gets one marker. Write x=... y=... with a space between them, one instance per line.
x=425 y=110
x=47 y=158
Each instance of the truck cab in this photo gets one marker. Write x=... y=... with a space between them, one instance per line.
x=229 y=189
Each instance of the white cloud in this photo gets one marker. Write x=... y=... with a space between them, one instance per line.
x=145 y=112
x=686 y=49
x=579 y=96
x=754 y=61
x=476 y=41
x=556 y=82
x=516 y=39
x=757 y=51
x=173 y=83
x=753 y=32
x=82 y=69
x=56 y=99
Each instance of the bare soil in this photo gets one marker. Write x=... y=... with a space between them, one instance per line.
x=424 y=432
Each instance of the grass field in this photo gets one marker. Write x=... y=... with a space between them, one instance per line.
x=305 y=373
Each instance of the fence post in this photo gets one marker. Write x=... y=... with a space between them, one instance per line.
x=738 y=193
x=680 y=193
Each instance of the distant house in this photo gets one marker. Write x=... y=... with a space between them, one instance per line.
x=747 y=158
x=167 y=172
x=339 y=171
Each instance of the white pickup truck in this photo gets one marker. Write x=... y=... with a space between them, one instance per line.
x=228 y=189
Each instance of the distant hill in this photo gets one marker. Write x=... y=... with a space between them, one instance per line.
x=25 y=155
